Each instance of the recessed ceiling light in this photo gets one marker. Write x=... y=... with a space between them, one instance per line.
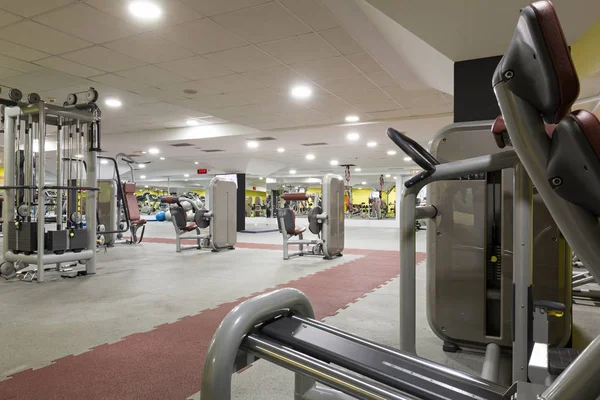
x=79 y=156
x=280 y=150
x=145 y=10
x=186 y=180
x=407 y=159
x=372 y=144
x=301 y=92
x=112 y=102
x=357 y=169
x=352 y=118
x=292 y=171
x=387 y=175
x=253 y=144
x=261 y=178
x=142 y=176
x=190 y=91
x=353 y=136
x=141 y=165
x=363 y=183
x=144 y=152
x=162 y=158
x=192 y=122
x=310 y=156
x=153 y=150
x=391 y=152
x=186 y=175
x=146 y=186
x=103 y=161
x=333 y=162
x=196 y=162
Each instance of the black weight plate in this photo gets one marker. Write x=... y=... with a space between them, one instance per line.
x=313 y=225
x=200 y=220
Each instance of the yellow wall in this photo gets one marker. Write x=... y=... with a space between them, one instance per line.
x=313 y=190
x=254 y=193
x=362 y=196
x=1 y=175
x=200 y=192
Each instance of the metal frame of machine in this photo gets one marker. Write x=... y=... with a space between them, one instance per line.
x=326 y=220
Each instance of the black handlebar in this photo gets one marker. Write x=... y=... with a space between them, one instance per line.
x=417 y=153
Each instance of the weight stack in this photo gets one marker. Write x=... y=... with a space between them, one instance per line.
x=23 y=239
x=78 y=239
x=56 y=241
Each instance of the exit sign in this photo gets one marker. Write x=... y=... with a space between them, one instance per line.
x=202 y=171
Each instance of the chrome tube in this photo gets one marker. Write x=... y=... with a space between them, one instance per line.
x=91 y=196
x=41 y=178
x=8 y=205
x=48 y=258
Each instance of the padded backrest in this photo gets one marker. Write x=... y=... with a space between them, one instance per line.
x=289 y=219
x=178 y=215
x=131 y=201
x=537 y=66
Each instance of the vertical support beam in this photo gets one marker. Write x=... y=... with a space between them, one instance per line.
x=522 y=271
x=408 y=277
x=399 y=186
x=59 y=177
x=241 y=202
x=41 y=176
x=8 y=205
x=91 y=198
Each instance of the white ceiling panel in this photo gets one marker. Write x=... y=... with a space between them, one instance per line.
x=69 y=67
x=150 y=48
x=197 y=67
x=450 y=99
x=400 y=113
x=243 y=59
x=60 y=78
x=300 y=49
x=7 y=18
x=365 y=96
x=151 y=75
x=6 y=72
x=424 y=101
x=118 y=82
x=230 y=84
x=419 y=111
x=214 y=7
x=87 y=23
x=18 y=65
x=42 y=38
x=312 y=13
x=407 y=96
x=329 y=68
x=201 y=36
x=30 y=8
x=240 y=98
x=382 y=79
x=365 y=62
x=20 y=52
x=342 y=41
x=281 y=77
x=263 y=23
x=32 y=83
x=349 y=84
x=174 y=12
x=177 y=89
x=102 y=58
x=377 y=106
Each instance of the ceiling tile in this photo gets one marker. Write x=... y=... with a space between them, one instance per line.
x=312 y=13
x=41 y=37
x=103 y=58
x=281 y=77
x=230 y=84
x=263 y=23
x=149 y=48
x=450 y=99
x=32 y=7
x=213 y=7
x=342 y=41
x=352 y=83
x=382 y=79
x=69 y=67
x=415 y=98
x=60 y=78
x=329 y=68
x=243 y=59
x=20 y=52
x=87 y=23
x=118 y=82
x=416 y=111
x=400 y=113
x=6 y=72
x=151 y=75
x=364 y=62
x=18 y=65
x=366 y=96
x=299 y=49
x=377 y=106
x=37 y=83
x=176 y=89
x=173 y=13
x=7 y=18
x=201 y=36
x=197 y=67
x=240 y=98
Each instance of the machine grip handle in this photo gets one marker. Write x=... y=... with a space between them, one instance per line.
x=417 y=153
x=295 y=196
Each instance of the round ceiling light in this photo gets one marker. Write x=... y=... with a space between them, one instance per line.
x=301 y=92
x=145 y=10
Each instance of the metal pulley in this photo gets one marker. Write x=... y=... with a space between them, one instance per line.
x=15 y=94
x=71 y=99
x=23 y=211
x=201 y=219
x=91 y=95
x=33 y=98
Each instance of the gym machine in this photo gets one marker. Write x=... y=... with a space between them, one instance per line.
x=325 y=219
x=219 y=217
x=280 y=328
x=28 y=130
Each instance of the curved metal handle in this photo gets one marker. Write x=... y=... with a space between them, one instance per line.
x=417 y=153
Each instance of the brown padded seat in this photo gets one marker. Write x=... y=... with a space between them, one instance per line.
x=189 y=227
x=590 y=126
x=499 y=127
x=132 y=204
x=297 y=231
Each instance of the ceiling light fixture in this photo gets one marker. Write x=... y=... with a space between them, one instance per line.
x=186 y=175
x=113 y=103
x=146 y=186
x=301 y=92
x=141 y=165
x=387 y=175
x=186 y=180
x=353 y=136
x=153 y=150
x=333 y=162
x=292 y=171
x=371 y=144
x=352 y=118
x=145 y=10
x=192 y=122
x=391 y=152
x=357 y=169
x=103 y=161
x=162 y=158
x=252 y=144
x=407 y=159
x=261 y=178
x=142 y=176
x=196 y=162
x=363 y=183
x=310 y=156
x=280 y=150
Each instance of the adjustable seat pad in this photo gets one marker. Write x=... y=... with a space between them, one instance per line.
x=132 y=204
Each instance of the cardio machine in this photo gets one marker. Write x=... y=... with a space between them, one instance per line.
x=534 y=82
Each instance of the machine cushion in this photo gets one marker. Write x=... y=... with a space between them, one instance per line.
x=129 y=187
x=189 y=227
x=590 y=127
x=138 y=222
x=297 y=230
x=295 y=196
x=498 y=129
x=132 y=204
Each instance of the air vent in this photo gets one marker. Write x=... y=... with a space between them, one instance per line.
x=263 y=139
x=212 y=150
x=315 y=144
x=182 y=145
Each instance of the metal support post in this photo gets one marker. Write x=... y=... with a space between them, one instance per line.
x=41 y=179
x=91 y=204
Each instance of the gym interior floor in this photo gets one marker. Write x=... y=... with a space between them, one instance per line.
x=140 y=327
